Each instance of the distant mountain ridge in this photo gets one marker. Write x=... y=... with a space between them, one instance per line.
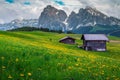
x=90 y=17
x=87 y=20
x=19 y=23
x=90 y=20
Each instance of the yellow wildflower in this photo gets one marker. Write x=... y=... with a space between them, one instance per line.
x=39 y=69
x=2 y=58
x=69 y=67
x=117 y=79
x=103 y=65
x=107 y=78
x=9 y=76
x=29 y=74
x=102 y=72
x=22 y=75
x=76 y=65
x=113 y=76
x=78 y=59
x=17 y=60
x=58 y=64
x=3 y=67
x=96 y=74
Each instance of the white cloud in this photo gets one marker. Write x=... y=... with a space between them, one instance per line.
x=18 y=9
x=1 y=21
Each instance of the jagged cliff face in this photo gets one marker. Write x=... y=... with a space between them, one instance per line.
x=52 y=18
x=87 y=20
x=90 y=17
x=55 y=19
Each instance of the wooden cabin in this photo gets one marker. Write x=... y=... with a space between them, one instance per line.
x=94 y=42
x=67 y=40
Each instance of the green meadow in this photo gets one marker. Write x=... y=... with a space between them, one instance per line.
x=38 y=55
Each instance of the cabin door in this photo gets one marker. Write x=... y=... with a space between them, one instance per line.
x=88 y=48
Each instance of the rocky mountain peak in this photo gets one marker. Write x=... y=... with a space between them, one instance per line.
x=91 y=8
x=49 y=7
x=51 y=11
x=90 y=17
x=91 y=11
x=52 y=18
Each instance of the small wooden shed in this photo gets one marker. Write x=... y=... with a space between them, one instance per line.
x=94 y=42
x=67 y=40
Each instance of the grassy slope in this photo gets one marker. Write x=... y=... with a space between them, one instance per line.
x=39 y=56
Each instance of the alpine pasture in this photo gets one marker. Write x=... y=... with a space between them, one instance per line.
x=38 y=55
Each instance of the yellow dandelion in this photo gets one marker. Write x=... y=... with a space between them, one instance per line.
x=9 y=76
x=76 y=65
x=117 y=79
x=58 y=64
x=16 y=59
x=102 y=73
x=22 y=75
x=29 y=74
x=39 y=69
x=2 y=58
x=107 y=78
x=103 y=65
x=96 y=74
x=3 y=67
x=78 y=59
x=69 y=67
x=113 y=76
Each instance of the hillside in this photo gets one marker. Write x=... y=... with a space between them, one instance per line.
x=38 y=55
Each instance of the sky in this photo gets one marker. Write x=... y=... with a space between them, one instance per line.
x=31 y=9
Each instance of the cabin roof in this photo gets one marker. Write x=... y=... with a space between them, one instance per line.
x=67 y=37
x=94 y=37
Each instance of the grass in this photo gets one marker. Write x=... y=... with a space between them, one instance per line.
x=39 y=56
